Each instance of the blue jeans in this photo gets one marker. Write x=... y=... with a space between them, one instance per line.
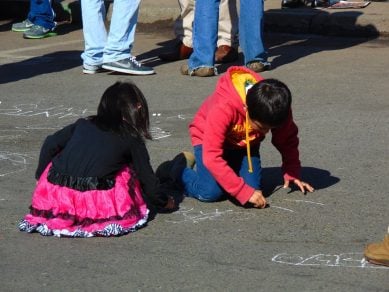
x=200 y=183
x=100 y=46
x=205 y=30
x=41 y=13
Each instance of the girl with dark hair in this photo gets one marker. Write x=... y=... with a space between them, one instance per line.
x=94 y=176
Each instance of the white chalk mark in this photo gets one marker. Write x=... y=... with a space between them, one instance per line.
x=39 y=127
x=158 y=133
x=348 y=260
x=31 y=110
x=180 y=117
x=304 y=201
x=281 y=208
x=12 y=162
x=193 y=216
x=11 y=134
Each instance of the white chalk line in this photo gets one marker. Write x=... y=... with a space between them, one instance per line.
x=304 y=201
x=281 y=208
x=31 y=110
x=193 y=216
x=18 y=160
x=348 y=260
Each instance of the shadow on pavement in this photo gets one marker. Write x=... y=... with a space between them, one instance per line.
x=272 y=181
x=318 y=178
x=53 y=62
x=286 y=48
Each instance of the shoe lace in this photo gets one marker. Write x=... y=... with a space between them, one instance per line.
x=37 y=28
x=135 y=62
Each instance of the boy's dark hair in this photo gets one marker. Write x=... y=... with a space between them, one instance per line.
x=123 y=109
x=268 y=102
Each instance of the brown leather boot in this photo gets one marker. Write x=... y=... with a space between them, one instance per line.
x=378 y=253
x=178 y=52
x=226 y=54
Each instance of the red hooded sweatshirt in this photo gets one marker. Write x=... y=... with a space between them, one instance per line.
x=220 y=123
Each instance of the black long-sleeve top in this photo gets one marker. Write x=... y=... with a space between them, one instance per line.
x=82 y=150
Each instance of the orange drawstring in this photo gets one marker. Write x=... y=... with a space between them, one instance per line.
x=248 y=144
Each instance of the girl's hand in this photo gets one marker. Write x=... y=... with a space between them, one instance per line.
x=258 y=200
x=303 y=186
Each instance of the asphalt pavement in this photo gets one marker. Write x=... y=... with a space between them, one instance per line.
x=310 y=242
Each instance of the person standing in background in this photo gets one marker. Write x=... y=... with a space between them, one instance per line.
x=110 y=51
x=227 y=43
x=40 y=20
x=202 y=62
x=378 y=253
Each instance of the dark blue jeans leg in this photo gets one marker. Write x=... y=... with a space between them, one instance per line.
x=238 y=161
x=200 y=183
x=205 y=30
x=251 y=31
x=41 y=13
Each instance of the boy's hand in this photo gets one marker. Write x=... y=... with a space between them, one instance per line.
x=258 y=200
x=303 y=186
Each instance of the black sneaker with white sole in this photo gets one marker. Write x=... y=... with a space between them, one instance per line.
x=129 y=66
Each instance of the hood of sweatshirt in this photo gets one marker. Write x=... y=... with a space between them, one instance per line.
x=235 y=83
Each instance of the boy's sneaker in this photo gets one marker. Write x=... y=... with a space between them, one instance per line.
x=258 y=66
x=378 y=253
x=171 y=170
x=37 y=32
x=129 y=66
x=190 y=159
x=91 y=69
x=22 y=26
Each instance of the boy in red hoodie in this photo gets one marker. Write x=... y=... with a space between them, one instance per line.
x=226 y=133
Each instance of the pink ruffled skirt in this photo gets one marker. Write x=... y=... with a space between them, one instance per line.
x=62 y=211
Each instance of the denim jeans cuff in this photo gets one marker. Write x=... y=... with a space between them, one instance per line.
x=191 y=71
x=264 y=62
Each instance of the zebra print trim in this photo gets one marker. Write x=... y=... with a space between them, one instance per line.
x=112 y=229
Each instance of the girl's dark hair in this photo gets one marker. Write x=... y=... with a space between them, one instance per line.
x=268 y=102
x=123 y=109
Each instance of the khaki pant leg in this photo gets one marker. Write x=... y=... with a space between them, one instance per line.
x=183 y=24
x=228 y=23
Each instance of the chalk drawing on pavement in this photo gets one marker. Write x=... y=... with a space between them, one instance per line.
x=158 y=133
x=193 y=216
x=305 y=201
x=11 y=163
x=32 y=110
x=11 y=135
x=348 y=260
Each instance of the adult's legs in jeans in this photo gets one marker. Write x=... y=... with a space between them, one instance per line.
x=41 y=13
x=201 y=184
x=205 y=30
x=228 y=23
x=251 y=31
x=122 y=30
x=93 y=28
